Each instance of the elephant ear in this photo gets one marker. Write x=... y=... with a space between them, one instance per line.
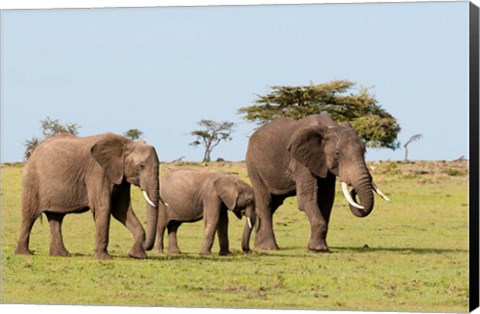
x=227 y=189
x=306 y=146
x=109 y=153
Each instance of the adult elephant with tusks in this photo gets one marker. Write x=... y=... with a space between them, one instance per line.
x=69 y=174
x=304 y=157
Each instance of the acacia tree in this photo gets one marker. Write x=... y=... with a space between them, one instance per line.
x=134 y=134
x=211 y=134
x=49 y=128
x=375 y=126
x=413 y=138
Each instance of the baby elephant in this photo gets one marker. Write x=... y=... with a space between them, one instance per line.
x=191 y=195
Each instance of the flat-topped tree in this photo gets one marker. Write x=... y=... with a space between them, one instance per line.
x=133 y=134
x=374 y=125
x=211 y=134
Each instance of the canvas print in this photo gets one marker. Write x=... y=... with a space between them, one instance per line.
x=308 y=156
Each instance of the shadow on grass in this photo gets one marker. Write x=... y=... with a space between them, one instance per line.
x=151 y=257
x=288 y=251
x=294 y=252
x=235 y=256
x=400 y=250
x=413 y=250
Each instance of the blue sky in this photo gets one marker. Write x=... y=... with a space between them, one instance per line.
x=161 y=70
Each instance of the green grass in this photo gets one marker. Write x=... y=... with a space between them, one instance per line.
x=410 y=254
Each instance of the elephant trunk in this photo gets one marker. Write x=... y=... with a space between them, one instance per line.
x=247 y=231
x=363 y=188
x=152 y=197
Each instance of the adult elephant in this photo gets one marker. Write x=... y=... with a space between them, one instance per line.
x=69 y=174
x=195 y=194
x=287 y=157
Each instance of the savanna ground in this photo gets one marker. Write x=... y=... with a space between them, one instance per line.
x=410 y=254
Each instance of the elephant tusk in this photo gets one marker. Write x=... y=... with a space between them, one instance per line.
x=377 y=190
x=149 y=201
x=249 y=222
x=349 y=197
x=163 y=201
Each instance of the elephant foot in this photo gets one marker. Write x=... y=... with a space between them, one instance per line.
x=266 y=245
x=319 y=248
x=158 y=248
x=22 y=251
x=224 y=253
x=202 y=253
x=139 y=254
x=59 y=252
x=174 y=251
x=102 y=255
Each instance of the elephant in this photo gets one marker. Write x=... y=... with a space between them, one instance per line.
x=287 y=157
x=191 y=195
x=70 y=174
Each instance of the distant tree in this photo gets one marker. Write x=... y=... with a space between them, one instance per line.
x=49 y=128
x=30 y=146
x=211 y=134
x=134 y=134
x=374 y=125
x=413 y=138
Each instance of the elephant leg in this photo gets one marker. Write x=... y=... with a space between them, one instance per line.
x=315 y=210
x=326 y=197
x=57 y=248
x=211 y=224
x=123 y=212
x=102 y=227
x=172 y=237
x=30 y=213
x=129 y=219
x=318 y=229
x=161 y=226
x=24 y=238
x=222 y=232
x=266 y=204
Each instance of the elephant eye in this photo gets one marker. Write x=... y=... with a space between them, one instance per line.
x=141 y=166
x=337 y=154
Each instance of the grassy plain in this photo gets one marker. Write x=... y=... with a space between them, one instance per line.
x=410 y=254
